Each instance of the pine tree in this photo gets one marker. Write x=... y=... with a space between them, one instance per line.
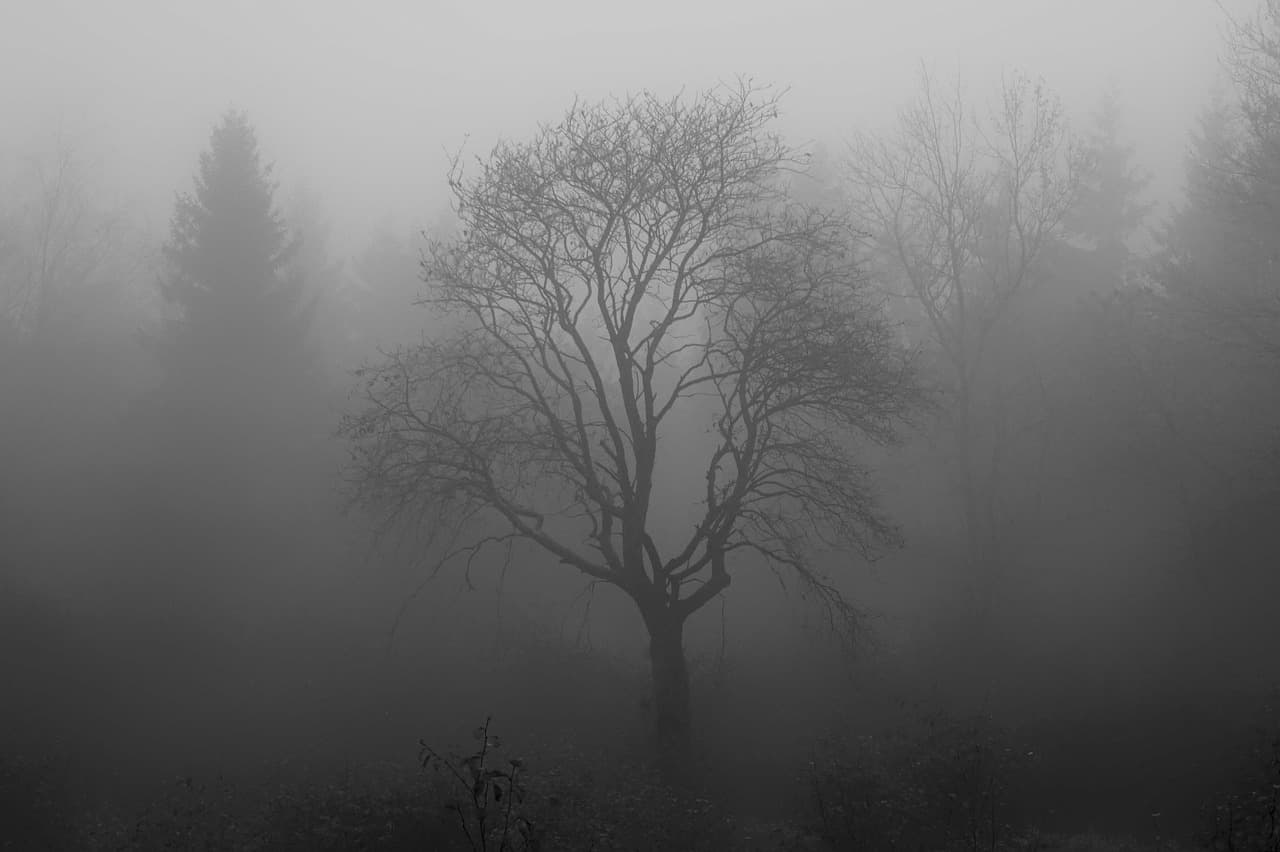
x=1108 y=209
x=242 y=315
x=242 y=389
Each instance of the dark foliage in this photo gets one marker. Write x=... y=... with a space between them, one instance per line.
x=937 y=782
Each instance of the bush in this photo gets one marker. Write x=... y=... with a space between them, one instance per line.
x=598 y=802
x=491 y=810
x=604 y=805
x=938 y=782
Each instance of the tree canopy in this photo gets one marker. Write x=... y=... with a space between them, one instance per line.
x=633 y=286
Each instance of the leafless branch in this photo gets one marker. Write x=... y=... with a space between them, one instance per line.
x=635 y=266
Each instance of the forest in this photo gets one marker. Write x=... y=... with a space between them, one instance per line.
x=670 y=482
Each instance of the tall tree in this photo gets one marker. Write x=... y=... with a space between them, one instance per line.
x=241 y=320
x=960 y=207
x=1074 y=326
x=1217 y=259
x=1109 y=208
x=57 y=243
x=69 y=260
x=241 y=372
x=1219 y=298
x=641 y=318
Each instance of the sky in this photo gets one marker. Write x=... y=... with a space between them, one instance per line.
x=363 y=101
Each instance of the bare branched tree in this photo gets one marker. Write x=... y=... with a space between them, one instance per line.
x=1253 y=62
x=1234 y=175
x=634 y=270
x=961 y=206
x=59 y=239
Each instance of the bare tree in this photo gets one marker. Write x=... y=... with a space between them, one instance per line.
x=960 y=206
x=68 y=262
x=1226 y=283
x=1253 y=62
x=631 y=279
x=57 y=241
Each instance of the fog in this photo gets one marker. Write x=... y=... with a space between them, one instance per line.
x=1080 y=560
x=365 y=105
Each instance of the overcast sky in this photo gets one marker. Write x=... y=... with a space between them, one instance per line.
x=362 y=99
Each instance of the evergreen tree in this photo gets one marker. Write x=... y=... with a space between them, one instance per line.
x=242 y=318
x=1216 y=327
x=242 y=381
x=1218 y=258
x=1109 y=210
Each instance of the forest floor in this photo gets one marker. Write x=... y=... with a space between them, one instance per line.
x=405 y=807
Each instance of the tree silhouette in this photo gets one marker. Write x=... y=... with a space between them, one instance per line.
x=961 y=207
x=241 y=376
x=641 y=314
x=240 y=319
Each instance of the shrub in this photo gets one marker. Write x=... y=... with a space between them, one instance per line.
x=593 y=801
x=491 y=809
x=938 y=782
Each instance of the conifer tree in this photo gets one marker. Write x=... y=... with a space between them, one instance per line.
x=242 y=316
x=242 y=385
x=1109 y=208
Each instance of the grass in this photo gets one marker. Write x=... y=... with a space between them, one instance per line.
x=935 y=784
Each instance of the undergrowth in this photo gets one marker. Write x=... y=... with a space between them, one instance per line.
x=934 y=784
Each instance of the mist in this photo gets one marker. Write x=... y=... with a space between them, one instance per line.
x=226 y=613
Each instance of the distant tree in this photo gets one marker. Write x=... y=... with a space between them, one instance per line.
x=1218 y=260
x=386 y=286
x=69 y=260
x=640 y=315
x=58 y=241
x=1109 y=208
x=1218 y=303
x=1071 y=327
x=1253 y=61
x=961 y=207
x=240 y=319
x=242 y=380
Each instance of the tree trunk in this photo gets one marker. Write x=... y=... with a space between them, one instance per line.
x=670 y=684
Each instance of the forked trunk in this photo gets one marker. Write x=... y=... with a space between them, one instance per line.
x=670 y=685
